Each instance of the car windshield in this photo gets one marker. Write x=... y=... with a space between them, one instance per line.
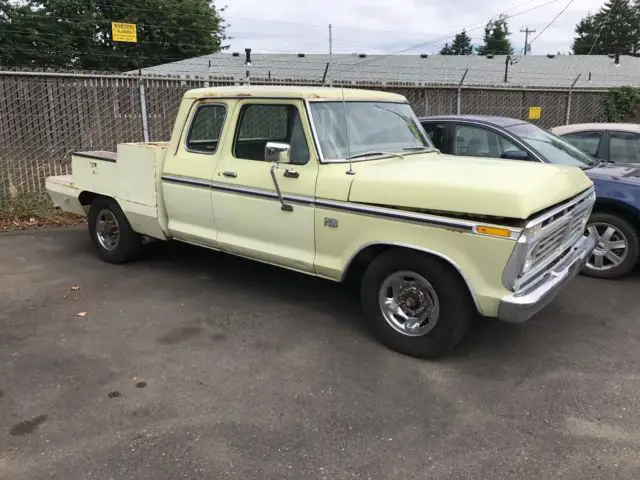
x=375 y=128
x=553 y=148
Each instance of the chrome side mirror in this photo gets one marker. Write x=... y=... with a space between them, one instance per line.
x=277 y=152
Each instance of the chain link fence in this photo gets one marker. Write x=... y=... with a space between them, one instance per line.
x=46 y=116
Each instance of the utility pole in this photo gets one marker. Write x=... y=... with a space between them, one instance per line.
x=526 y=32
x=330 y=55
x=506 y=68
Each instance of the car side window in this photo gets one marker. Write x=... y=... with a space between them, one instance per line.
x=206 y=127
x=588 y=142
x=480 y=142
x=624 y=147
x=259 y=124
x=437 y=134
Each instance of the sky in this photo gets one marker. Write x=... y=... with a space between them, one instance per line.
x=391 y=26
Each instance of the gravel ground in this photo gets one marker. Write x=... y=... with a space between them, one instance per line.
x=197 y=365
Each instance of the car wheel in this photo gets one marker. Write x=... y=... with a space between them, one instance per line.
x=418 y=305
x=616 y=253
x=111 y=232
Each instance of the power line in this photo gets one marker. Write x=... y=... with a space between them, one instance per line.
x=613 y=5
x=439 y=39
x=83 y=20
x=553 y=21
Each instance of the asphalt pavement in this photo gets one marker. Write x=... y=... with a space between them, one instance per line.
x=191 y=364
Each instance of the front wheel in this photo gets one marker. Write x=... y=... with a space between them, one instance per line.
x=616 y=252
x=111 y=232
x=418 y=305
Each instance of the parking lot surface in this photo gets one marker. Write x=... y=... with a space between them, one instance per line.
x=193 y=364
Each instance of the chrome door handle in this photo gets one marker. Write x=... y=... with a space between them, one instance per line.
x=230 y=174
x=291 y=173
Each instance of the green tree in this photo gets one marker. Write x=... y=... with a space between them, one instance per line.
x=496 y=39
x=461 y=45
x=77 y=33
x=613 y=29
x=446 y=50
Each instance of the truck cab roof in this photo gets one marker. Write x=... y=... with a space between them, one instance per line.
x=307 y=93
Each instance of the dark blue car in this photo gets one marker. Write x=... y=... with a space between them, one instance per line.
x=616 y=215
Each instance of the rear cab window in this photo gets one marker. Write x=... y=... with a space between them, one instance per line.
x=206 y=128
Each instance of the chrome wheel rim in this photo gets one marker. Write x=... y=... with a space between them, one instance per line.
x=611 y=249
x=107 y=230
x=409 y=303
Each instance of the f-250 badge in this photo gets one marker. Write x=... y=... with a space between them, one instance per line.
x=330 y=222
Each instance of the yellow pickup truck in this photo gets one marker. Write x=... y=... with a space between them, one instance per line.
x=344 y=185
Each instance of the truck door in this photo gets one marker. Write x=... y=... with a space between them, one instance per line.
x=186 y=180
x=250 y=218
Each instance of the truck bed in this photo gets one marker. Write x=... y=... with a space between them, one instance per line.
x=130 y=176
x=64 y=194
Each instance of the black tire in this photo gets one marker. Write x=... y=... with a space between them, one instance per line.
x=129 y=242
x=632 y=250
x=456 y=306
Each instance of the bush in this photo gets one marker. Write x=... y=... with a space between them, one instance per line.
x=621 y=104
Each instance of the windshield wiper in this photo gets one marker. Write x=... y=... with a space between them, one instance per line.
x=372 y=154
x=411 y=125
x=600 y=162
x=417 y=149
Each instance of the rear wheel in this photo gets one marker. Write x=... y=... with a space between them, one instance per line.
x=111 y=232
x=616 y=253
x=418 y=305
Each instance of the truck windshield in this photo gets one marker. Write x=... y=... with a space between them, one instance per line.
x=375 y=128
x=551 y=147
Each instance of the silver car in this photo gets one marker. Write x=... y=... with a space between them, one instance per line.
x=611 y=142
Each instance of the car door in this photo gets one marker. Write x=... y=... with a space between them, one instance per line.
x=624 y=147
x=249 y=215
x=187 y=175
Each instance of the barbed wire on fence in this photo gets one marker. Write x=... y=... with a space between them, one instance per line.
x=44 y=116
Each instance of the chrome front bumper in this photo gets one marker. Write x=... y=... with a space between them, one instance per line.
x=518 y=308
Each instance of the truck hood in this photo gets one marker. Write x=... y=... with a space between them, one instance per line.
x=466 y=185
x=623 y=173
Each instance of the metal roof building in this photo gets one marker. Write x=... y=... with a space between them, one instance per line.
x=543 y=71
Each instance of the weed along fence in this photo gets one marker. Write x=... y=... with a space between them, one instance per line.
x=46 y=116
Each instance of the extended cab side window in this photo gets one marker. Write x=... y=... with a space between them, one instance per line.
x=624 y=147
x=260 y=124
x=206 y=128
x=588 y=142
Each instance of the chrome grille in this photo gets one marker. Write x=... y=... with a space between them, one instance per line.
x=560 y=230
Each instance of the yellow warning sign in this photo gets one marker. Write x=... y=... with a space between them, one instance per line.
x=535 y=113
x=124 y=32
